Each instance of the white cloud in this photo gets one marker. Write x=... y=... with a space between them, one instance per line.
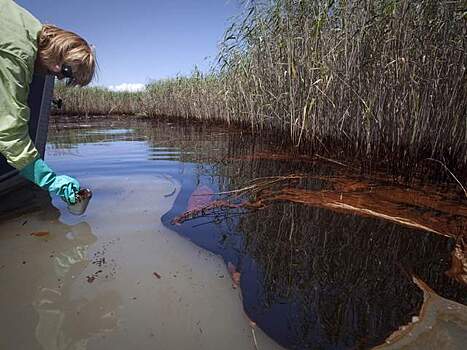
x=132 y=87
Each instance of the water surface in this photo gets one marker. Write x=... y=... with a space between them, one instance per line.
x=308 y=276
x=115 y=278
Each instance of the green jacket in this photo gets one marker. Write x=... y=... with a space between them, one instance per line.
x=18 y=49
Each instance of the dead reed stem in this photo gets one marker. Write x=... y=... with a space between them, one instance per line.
x=450 y=173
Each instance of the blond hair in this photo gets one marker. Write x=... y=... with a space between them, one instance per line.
x=59 y=46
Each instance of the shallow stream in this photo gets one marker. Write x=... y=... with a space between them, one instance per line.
x=129 y=274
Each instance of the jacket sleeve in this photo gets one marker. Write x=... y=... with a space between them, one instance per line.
x=15 y=143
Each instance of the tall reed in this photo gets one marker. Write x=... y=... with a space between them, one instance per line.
x=378 y=81
x=92 y=101
x=374 y=79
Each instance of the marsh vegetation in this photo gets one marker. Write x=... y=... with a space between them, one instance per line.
x=380 y=82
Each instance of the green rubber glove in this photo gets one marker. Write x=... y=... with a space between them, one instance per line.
x=64 y=186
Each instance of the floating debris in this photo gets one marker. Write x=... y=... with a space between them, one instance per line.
x=99 y=261
x=458 y=270
x=208 y=208
x=254 y=338
x=40 y=234
x=92 y=278
x=201 y=196
x=234 y=274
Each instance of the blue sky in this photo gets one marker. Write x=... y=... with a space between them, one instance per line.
x=141 y=40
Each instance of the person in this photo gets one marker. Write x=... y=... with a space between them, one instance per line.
x=28 y=47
